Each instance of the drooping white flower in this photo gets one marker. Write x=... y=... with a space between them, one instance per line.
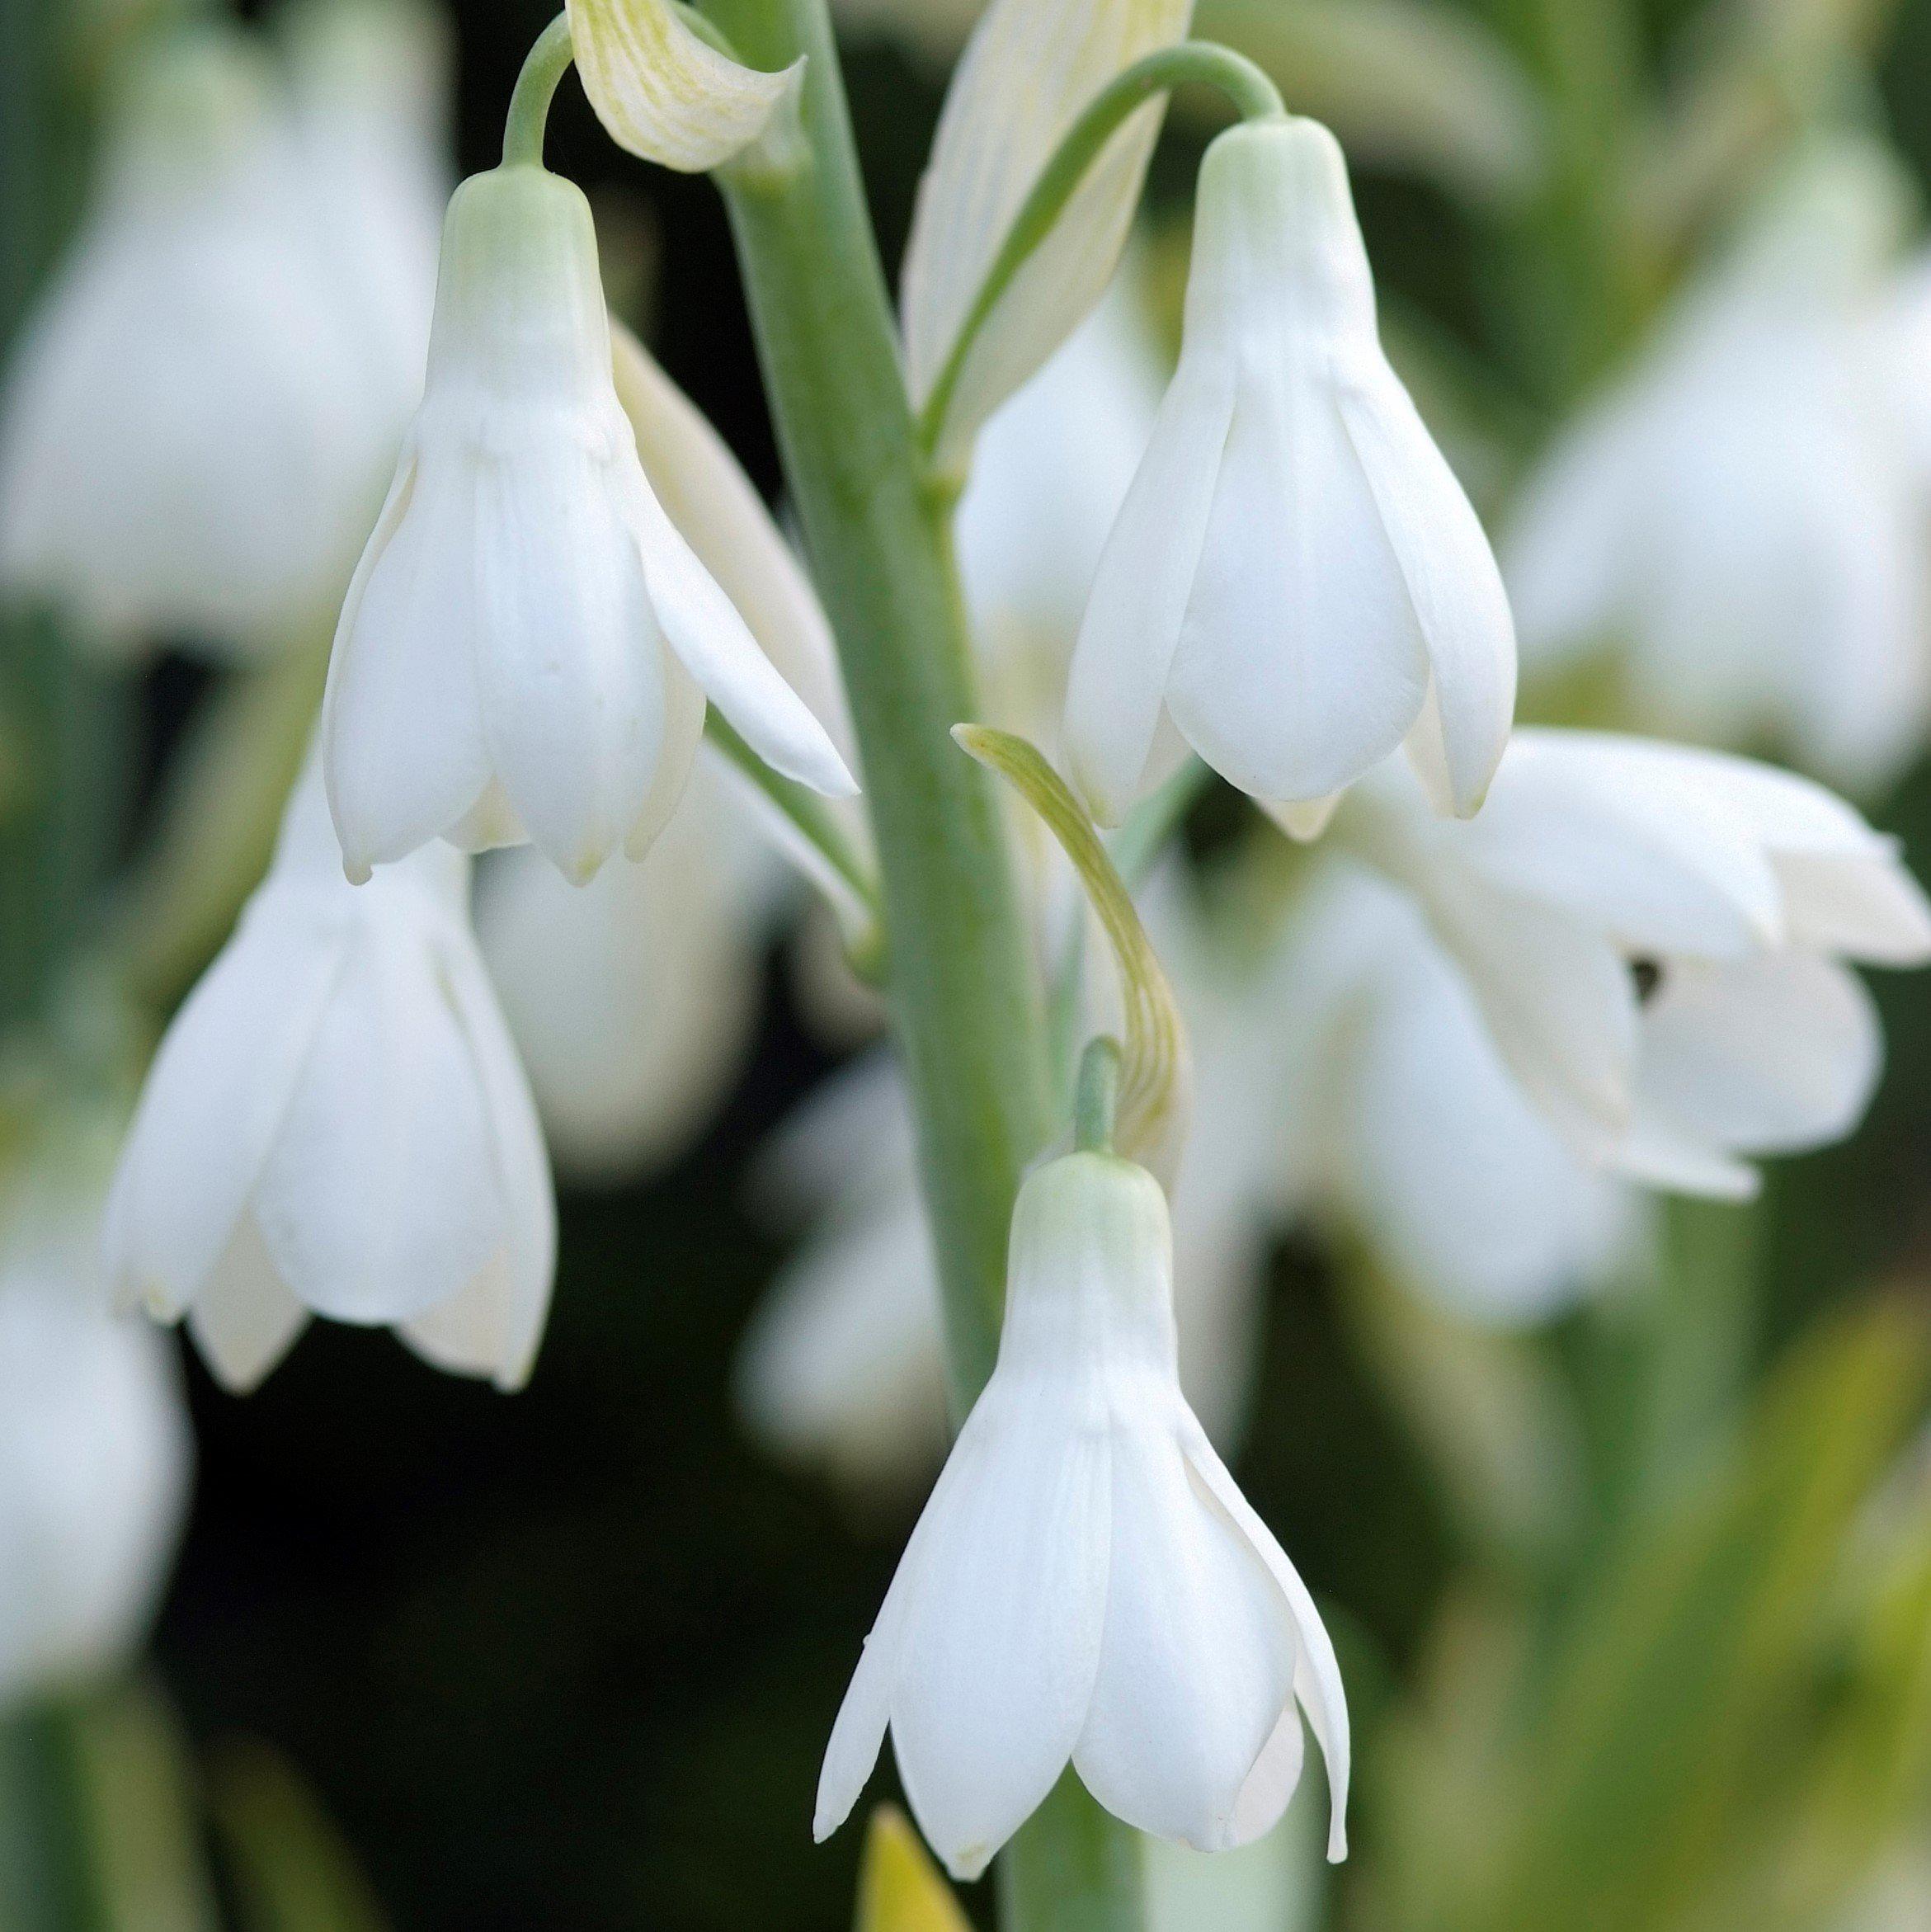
x=1738 y=513
x=633 y=998
x=1030 y=68
x=95 y=1452
x=197 y=424
x=1393 y=1107
x=1087 y=1584
x=529 y=643
x=1654 y=936
x=1296 y=581
x=1051 y=470
x=335 y=1124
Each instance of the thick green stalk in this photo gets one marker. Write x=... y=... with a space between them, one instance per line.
x=962 y=988
x=963 y=991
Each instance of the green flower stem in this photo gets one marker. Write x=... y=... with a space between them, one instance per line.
x=962 y=986
x=1097 y=1101
x=807 y=813
x=544 y=69
x=1247 y=85
x=50 y=1875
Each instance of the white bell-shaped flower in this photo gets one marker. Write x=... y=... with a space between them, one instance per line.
x=335 y=1124
x=196 y=428
x=529 y=643
x=1297 y=580
x=1087 y=1584
x=95 y=1452
x=1654 y=936
x=1738 y=515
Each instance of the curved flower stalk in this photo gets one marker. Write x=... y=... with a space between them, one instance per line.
x=664 y=92
x=632 y=999
x=1030 y=68
x=195 y=430
x=335 y=1124
x=95 y=1452
x=1087 y=1584
x=529 y=643
x=1296 y=582
x=1654 y=936
x=1739 y=513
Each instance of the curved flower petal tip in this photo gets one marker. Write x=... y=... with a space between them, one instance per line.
x=336 y=1124
x=1296 y=581
x=1031 y=67
x=663 y=91
x=1085 y=1585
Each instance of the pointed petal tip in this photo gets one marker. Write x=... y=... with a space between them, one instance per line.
x=357 y=871
x=1337 y=1840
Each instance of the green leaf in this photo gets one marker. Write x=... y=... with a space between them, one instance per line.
x=292 y=1870
x=1677 y=1666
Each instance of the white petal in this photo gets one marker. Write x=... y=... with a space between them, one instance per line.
x=1559 y=1001
x=377 y=1199
x=1869 y=909
x=1318 y=1677
x=571 y=673
x=1116 y=688
x=1450 y=575
x=214 y=1099
x=1197 y=1664
x=716 y=647
x=684 y=717
x=1301 y=661
x=403 y=724
x=663 y=91
x=526 y=1269
x=246 y=1320
x=717 y=511
x=1001 y=1638
x=1768 y=1055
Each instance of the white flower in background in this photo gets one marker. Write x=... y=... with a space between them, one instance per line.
x=1030 y=68
x=1087 y=1584
x=335 y=1124
x=369 y=82
x=95 y=1452
x=529 y=643
x=632 y=999
x=935 y=28
x=1739 y=514
x=1653 y=934
x=1296 y=581
x=1391 y=1105
x=663 y=91
x=1049 y=474
x=196 y=425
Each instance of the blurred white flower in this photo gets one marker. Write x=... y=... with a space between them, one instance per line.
x=369 y=80
x=196 y=425
x=1739 y=513
x=95 y=1452
x=1653 y=934
x=1087 y=1584
x=529 y=643
x=1272 y=1885
x=1029 y=69
x=1391 y=1105
x=335 y=1124
x=633 y=998
x=1048 y=476
x=1296 y=581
